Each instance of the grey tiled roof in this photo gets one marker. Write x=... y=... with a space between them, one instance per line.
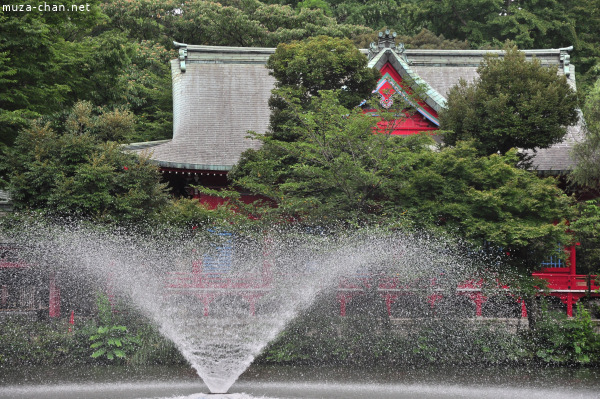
x=214 y=107
x=558 y=158
x=220 y=93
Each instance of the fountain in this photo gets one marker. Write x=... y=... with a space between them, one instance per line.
x=221 y=298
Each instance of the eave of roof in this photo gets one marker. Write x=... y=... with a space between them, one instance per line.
x=145 y=148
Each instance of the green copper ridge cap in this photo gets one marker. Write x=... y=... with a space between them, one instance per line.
x=434 y=99
x=183 y=52
x=194 y=166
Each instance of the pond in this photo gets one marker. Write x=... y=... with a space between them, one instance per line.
x=302 y=382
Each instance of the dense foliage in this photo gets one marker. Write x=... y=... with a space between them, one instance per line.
x=74 y=172
x=50 y=60
x=340 y=167
x=587 y=153
x=513 y=103
x=303 y=68
x=323 y=339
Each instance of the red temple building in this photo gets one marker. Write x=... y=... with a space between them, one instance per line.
x=221 y=93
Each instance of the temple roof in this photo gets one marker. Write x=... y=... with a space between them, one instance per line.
x=221 y=93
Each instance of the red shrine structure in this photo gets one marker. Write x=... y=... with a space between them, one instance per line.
x=221 y=93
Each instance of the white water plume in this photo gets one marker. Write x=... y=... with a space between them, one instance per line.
x=221 y=300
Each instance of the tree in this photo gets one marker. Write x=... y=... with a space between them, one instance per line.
x=529 y=23
x=74 y=173
x=228 y=23
x=34 y=77
x=303 y=68
x=587 y=153
x=513 y=103
x=586 y=228
x=458 y=19
x=584 y=16
x=586 y=177
x=337 y=170
x=323 y=63
x=343 y=170
x=488 y=200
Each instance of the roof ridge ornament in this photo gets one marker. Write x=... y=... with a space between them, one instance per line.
x=386 y=41
x=182 y=54
x=565 y=59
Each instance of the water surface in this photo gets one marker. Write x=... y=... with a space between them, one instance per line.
x=302 y=383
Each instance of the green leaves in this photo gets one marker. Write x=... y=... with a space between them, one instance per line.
x=39 y=50
x=513 y=103
x=323 y=63
x=113 y=342
x=558 y=340
x=74 y=173
x=587 y=153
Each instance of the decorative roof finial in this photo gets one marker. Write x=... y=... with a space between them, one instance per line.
x=182 y=54
x=386 y=40
x=565 y=60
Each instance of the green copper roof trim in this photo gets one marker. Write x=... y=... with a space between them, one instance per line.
x=194 y=166
x=434 y=99
x=144 y=144
x=565 y=60
x=404 y=95
x=182 y=54
x=176 y=165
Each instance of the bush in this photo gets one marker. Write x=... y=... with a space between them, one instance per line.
x=43 y=343
x=26 y=342
x=566 y=341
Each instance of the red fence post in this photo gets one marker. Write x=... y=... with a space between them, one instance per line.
x=342 y=299
x=389 y=300
x=72 y=321
x=523 y=309
x=54 y=300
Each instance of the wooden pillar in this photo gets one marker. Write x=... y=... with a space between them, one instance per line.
x=479 y=300
x=389 y=300
x=523 y=309
x=196 y=273
x=206 y=300
x=432 y=299
x=342 y=299
x=54 y=300
x=569 y=301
